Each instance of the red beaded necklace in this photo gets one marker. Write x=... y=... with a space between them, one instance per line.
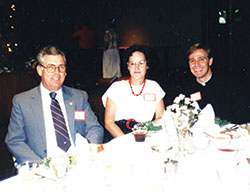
x=144 y=83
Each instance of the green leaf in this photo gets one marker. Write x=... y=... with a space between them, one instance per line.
x=221 y=122
x=151 y=127
x=72 y=160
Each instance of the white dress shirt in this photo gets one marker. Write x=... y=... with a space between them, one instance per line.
x=52 y=148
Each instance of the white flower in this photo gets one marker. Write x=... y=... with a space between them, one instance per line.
x=184 y=108
x=184 y=112
x=60 y=164
x=179 y=98
x=186 y=101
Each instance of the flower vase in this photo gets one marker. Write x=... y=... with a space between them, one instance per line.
x=181 y=142
x=185 y=142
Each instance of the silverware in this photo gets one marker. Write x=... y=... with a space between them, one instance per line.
x=209 y=134
x=171 y=161
x=233 y=128
x=44 y=177
x=158 y=148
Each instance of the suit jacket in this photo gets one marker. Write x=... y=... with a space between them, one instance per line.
x=26 y=137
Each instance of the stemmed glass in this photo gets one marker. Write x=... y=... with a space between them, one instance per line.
x=27 y=170
x=60 y=166
x=201 y=141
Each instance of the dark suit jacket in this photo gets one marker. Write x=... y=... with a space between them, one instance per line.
x=26 y=138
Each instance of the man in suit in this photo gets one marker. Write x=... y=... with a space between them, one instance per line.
x=31 y=134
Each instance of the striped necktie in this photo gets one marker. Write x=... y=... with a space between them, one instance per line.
x=62 y=135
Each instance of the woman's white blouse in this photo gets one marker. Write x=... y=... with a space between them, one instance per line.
x=141 y=108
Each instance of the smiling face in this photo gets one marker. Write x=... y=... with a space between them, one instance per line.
x=200 y=65
x=52 y=81
x=137 y=65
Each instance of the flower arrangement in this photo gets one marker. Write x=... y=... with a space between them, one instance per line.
x=70 y=160
x=60 y=164
x=184 y=112
x=152 y=127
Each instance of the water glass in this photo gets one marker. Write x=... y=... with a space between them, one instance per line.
x=140 y=132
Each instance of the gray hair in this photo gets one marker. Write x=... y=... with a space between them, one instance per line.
x=49 y=50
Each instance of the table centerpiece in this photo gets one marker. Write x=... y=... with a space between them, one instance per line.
x=184 y=112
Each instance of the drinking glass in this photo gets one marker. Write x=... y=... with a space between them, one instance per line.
x=60 y=165
x=27 y=171
x=140 y=132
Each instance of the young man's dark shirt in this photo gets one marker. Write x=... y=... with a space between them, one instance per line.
x=226 y=95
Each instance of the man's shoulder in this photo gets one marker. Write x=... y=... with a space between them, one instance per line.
x=226 y=80
x=28 y=93
x=73 y=92
x=189 y=84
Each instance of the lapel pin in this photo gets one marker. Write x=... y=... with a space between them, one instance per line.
x=70 y=103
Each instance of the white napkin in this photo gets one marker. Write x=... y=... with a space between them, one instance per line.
x=86 y=170
x=168 y=123
x=206 y=121
x=83 y=154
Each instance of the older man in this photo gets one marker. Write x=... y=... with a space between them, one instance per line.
x=44 y=120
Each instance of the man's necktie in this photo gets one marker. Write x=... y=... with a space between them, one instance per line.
x=62 y=135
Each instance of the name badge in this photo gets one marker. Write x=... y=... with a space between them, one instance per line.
x=149 y=97
x=80 y=115
x=195 y=96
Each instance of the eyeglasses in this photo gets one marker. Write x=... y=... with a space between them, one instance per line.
x=141 y=63
x=52 y=68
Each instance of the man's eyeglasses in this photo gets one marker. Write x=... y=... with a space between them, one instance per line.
x=52 y=68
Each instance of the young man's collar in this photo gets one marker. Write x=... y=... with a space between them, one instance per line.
x=204 y=83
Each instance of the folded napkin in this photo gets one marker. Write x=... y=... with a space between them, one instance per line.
x=206 y=121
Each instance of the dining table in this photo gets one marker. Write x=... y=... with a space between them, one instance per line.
x=155 y=165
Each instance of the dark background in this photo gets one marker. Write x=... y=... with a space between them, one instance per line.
x=168 y=27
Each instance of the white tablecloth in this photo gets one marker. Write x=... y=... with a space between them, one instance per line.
x=126 y=165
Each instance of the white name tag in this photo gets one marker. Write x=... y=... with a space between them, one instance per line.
x=149 y=97
x=195 y=96
x=80 y=115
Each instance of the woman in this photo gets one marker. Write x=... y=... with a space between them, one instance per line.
x=137 y=99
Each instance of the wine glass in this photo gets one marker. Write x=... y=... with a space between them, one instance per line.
x=60 y=165
x=201 y=141
x=27 y=170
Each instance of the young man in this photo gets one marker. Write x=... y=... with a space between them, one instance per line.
x=221 y=90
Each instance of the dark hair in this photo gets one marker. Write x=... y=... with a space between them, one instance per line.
x=49 y=50
x=136 y=48
x=197 y=46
